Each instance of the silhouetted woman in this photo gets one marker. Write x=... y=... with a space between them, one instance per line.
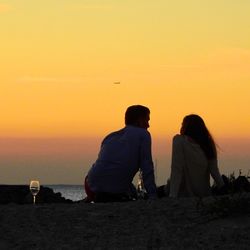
x=194 y=158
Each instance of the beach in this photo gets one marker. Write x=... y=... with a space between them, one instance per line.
x=159 y=224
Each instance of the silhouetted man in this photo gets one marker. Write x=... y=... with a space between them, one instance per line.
x=122 y=154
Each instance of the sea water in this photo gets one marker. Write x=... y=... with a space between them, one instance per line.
x=72 y=192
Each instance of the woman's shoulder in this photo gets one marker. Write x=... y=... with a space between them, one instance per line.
x=179 y=138
x=184 y=139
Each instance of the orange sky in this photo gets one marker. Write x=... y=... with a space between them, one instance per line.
x=59 y=60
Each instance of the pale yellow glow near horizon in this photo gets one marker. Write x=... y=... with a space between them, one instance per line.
x=59 y=61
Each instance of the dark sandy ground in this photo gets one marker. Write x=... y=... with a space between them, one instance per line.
x=161 y=224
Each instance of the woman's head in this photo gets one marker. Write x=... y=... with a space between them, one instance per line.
x=137 y=115
x=194 y=127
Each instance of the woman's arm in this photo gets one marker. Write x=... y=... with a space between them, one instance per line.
x=215 y=173
x=177 y=166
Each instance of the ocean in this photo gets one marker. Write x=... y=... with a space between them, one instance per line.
x=72 y=192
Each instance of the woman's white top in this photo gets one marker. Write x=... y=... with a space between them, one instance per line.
x=190 y=169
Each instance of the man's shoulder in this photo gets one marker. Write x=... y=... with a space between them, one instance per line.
x=137 y=130
x=130 y=132
x=115 y=133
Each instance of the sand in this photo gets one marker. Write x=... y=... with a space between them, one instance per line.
x=161 y=224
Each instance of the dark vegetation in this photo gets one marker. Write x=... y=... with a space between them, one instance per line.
x=232 y=200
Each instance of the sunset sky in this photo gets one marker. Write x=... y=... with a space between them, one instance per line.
x=59 y=61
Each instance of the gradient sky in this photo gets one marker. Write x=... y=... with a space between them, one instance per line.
x=59 y=60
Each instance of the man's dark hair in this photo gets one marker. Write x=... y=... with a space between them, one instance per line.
x=135 y=112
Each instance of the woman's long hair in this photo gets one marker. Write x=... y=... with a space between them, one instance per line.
x=194 y=127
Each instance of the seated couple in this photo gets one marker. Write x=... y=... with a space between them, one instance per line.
x=123 y=153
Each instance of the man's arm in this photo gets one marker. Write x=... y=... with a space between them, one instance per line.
x=147 y=166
